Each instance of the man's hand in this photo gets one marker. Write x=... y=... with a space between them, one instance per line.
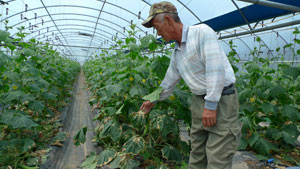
x=147 y=106
x=209 y=117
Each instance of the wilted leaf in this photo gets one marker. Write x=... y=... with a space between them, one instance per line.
x=80 y=136
x=105 y=157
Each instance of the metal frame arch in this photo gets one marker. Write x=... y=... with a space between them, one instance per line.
x=72 y=6
x=121 y=8
x=76 y=28
x=108 y=38
x=80 y=39
x=71 y=35
x=261 y=40
x=238 y=39
x=68 y=14
x=76 y=20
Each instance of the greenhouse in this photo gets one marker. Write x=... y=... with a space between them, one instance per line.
x=149 y=84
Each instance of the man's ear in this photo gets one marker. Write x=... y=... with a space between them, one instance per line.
x=168 y=19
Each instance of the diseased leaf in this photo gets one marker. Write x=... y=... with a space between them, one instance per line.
x=115 y=163
x=106 y=157
x=111 y=129
x=90 y=162
x=134 y=145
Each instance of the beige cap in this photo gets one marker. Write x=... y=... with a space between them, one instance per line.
x=157 y=8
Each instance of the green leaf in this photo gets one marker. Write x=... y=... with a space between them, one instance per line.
x=160 y=66
x=130 y=164
x=120 y=110
x=253 y=139
x=22 y=121
x=288 y=45
x=61 y=136
x=291 y=112
x=147 y=40
x=264 y=147
x=11 y=96
x=134 y=145
x=80 y=136
x=292 y=71
x=134 y=92
x=114 y=89
x=90 y=162
x=273 y=133
x=276 y=91
x=290 y=133
x=3 y=35
x=154 y=96
x=28 y=144
x=106 y=157
x=243 y=144
x=133 y=47
x=171 y=153
x=267 y=107
x=7 y=116
x=115 y=163
x=36 y=106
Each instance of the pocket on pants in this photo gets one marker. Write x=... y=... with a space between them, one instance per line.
x=235 y=129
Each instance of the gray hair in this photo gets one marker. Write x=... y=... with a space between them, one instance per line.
x=160 y=17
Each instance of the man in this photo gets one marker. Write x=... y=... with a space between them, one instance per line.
x=199 y=59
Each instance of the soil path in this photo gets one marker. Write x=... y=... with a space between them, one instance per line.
x=70 y=156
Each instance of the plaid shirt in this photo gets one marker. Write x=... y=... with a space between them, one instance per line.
x=201 y=63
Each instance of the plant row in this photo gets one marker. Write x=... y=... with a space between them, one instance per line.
x=34 y=79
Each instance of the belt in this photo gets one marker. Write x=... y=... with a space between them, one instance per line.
x=227 y=90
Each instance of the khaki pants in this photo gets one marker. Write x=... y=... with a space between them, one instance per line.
x=214 y=147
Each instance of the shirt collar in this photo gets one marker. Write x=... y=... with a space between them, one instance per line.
x=184 y=34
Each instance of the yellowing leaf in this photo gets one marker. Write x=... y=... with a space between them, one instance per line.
x=131 y=79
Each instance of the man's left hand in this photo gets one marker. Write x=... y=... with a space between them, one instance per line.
x=209 y=117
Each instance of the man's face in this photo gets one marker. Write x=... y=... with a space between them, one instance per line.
x=162 y=29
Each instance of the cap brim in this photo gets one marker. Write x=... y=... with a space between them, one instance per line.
x=147 y=23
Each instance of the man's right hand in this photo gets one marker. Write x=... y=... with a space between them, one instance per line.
x=147 y=106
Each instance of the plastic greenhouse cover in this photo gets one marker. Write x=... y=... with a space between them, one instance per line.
x=74 y=22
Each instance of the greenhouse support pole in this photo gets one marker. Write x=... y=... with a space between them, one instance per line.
x=262 y=29
x=274 y=5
